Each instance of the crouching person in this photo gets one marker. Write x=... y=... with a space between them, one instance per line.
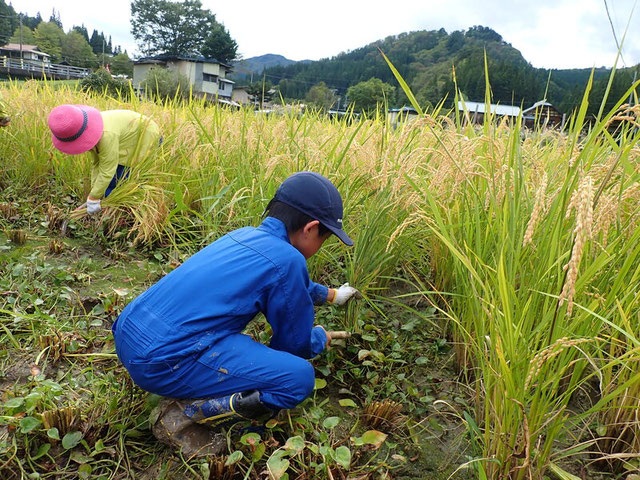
x=116 y=140
x=182 y=337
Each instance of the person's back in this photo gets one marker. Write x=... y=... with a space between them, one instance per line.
x=216 y=292
x=128 y=133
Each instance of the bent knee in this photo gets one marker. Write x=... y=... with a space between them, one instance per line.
x=299 y=384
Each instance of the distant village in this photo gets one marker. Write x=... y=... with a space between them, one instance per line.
x=208 y=78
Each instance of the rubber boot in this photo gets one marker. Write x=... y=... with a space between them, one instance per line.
x=171 y=426
x=227 y=410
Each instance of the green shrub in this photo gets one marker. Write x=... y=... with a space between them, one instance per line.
x=163 y=83
x=103 y=83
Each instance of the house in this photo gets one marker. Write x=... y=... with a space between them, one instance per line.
x=543 y=113
x=24 y=51
x=207 y=76
x=404 y=114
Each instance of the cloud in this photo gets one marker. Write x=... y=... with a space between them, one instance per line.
x=549 y=33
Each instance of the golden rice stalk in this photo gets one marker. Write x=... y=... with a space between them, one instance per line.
x=219 y=470
x=7 y=210
x=56 y=247
x=56 y=343
x=410 y=220
x=17 y=236
x=382 y=414
x=626 y=113
x=547 y=354
x=539 y=208
x=64 y=419
x=631 y=192
x=605 y=215
x=55 y=217
x=582 y=232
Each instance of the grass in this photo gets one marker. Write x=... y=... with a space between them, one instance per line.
x=513 y=252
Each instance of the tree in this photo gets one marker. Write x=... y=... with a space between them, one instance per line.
x=483 y=33
x=162 y=26
x=455 y=41
x=27 y=36
x=31 y=22
x=99 y=43
x=49 y=39
x=77 y=51
x=321 y=96
x=8 y=21
x=220 y=45
x=55 y=18
x=83 y=31
x=370 y=95
x=180 y=28
x=121 y=64
x=259 y=91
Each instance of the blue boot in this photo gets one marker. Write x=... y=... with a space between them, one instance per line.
x=227 y=410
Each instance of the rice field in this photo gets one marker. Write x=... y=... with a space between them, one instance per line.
x=518 y=249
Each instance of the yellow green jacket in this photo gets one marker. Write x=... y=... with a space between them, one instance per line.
x=127 y=137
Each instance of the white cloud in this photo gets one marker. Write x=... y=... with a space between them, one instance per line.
x=549 y=33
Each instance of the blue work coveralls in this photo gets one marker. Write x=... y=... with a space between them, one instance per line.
x=182 y=337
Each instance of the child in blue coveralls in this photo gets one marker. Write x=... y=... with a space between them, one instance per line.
x=182 y=337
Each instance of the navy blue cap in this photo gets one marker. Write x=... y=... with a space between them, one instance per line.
x=315 y=196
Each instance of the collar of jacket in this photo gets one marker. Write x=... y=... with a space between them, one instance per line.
x=275 y=227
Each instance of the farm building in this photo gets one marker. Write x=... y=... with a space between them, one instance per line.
x=477 y=110
x=541 y=112
x=207 y=76
x=404 y=114
x=544 y=113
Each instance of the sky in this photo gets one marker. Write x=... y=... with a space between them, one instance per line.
x=549 y=33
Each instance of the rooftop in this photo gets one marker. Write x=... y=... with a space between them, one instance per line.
x=168 y=57
x=404 y=109
x=479 y=107
x=25 y=48
x=540 y=104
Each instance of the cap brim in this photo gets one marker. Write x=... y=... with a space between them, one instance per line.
x=90 y=137
x=342 y=235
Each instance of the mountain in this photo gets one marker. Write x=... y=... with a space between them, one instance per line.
x=426 y=60
x=256 y=65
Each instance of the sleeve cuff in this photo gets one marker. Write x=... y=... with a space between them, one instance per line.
x=319 y=294
x=318 y=340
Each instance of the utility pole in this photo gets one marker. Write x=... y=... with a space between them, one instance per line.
x=102 y=50
x=20 y=19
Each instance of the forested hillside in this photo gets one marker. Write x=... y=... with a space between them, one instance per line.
x=427 y=61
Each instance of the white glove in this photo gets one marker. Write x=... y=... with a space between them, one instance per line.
x=93 y=206
x=343 y=294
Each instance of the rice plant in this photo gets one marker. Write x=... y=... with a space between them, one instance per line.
x=528 y=238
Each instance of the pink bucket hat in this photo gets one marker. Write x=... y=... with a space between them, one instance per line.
x=75 y=129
